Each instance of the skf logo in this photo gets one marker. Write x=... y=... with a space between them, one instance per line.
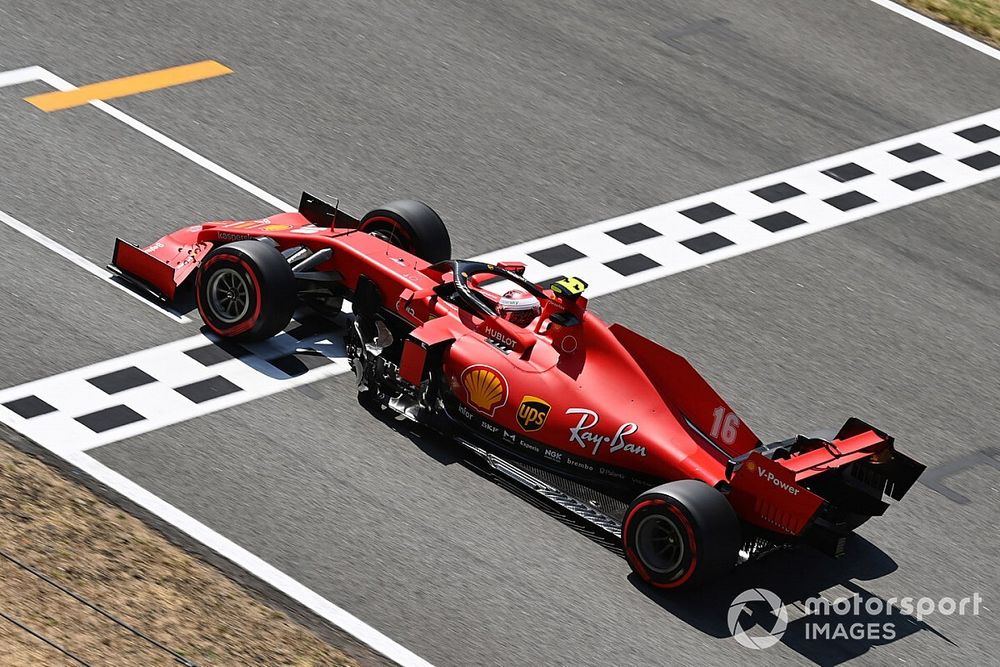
x=485 y=388
x=532 y=413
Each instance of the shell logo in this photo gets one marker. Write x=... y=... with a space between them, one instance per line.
x=277 y=228
x=485 y=388
x=751 y=466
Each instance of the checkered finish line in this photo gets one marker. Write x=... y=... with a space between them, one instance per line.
x=667 y=239
x=93 y=406
x=124 y=397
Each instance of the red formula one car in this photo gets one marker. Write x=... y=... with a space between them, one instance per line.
x=593 y=417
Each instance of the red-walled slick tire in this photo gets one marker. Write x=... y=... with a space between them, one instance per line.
x=681 y=534
x=411 y=225
x=245 y=290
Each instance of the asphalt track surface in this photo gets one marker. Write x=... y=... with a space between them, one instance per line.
x=514 y=121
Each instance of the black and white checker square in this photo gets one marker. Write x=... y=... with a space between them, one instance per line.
x=90 y=406
x=655 y=242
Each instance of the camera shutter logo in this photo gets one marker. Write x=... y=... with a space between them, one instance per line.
x=757 y=596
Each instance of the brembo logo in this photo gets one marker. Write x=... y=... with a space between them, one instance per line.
x=774 y=480
x=583 y=435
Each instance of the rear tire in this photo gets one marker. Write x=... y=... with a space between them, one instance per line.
x=245 y=290
x=681 y=534
x=411 y=225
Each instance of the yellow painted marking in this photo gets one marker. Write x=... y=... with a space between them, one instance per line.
x=129 y=85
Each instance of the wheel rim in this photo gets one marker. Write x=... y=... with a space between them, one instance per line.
x=387 y=234
x=659 y=544
x=228 y=295
x=390 y=233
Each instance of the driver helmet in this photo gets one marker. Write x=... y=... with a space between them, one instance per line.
x=519 y=307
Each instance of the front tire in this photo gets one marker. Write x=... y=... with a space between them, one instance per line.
x=411 y=225
x=245 y=290
x=681 y=534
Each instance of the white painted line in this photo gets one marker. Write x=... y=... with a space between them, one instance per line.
x=37 y=73
x=664 y=248
x=84 y=264
x=940 y=28
x=246 y=560
x=66 y=441
x=200 y=160
x=597 y=252
x=16 y=77
x=72 y=395
x=59 y=83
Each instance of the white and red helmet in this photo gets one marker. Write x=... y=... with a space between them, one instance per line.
x=519 y=307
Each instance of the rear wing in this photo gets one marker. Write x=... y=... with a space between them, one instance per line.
x=782 y=484
x=806 y=457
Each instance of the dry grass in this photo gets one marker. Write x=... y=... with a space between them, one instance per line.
x=123 y=566
x=979 y=18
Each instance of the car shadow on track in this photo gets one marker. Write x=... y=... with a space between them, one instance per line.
x=442 y=451
x=183 y=302
x=449 y=453
x=795 y=575
x=822 y=635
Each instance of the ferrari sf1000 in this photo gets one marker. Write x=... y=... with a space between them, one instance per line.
x=592 y=416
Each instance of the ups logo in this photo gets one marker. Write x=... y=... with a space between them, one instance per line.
x=532 y=412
